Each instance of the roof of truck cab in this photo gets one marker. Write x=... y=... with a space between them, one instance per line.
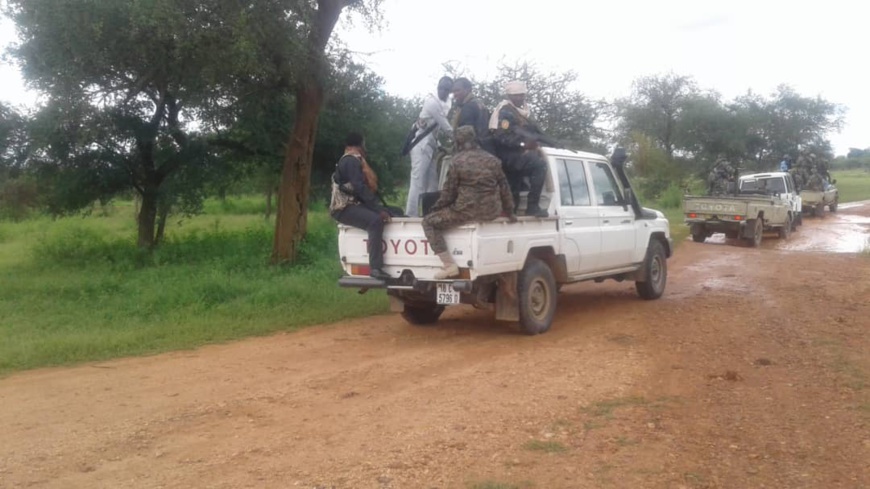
x=573 y=154
x=765 y=175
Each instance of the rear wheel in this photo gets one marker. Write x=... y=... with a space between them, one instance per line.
x=785 y=231
x=536 y=289
x=833 y=206
x=758 y=228
x=421 y=314
x=655 y=274
x=699 y=233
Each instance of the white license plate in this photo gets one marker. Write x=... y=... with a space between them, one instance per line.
x=446 y=294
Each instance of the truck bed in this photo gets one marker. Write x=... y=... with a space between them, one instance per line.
x=482 y=248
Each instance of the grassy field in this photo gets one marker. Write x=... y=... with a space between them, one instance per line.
x=854 y=185
x=76 y=289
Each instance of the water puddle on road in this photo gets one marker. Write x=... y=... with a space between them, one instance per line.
x=840 y=233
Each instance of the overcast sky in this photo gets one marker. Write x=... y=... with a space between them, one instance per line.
x=819 y=48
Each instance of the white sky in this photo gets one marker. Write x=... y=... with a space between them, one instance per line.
x=729 y=46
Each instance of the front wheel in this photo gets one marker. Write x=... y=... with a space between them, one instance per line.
x=422 y=314
x=833 y=205
x=655 y=272
x=536 y=290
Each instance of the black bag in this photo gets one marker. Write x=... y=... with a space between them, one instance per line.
x=427 y=200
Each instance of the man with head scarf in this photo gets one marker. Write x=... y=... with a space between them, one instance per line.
x=476 y=190
x=424 y=171
x=514 y=131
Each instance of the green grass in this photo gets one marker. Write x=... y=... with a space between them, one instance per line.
x=544 y=446
x=499 y=485
x=77 y=289
x=853 y=185
x=606 y=408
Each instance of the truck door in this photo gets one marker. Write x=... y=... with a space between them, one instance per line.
x=578 y=218
x=616 y=218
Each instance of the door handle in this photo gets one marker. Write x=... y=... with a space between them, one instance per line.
x=627 y=221
x=606 y=221
x=568 y=223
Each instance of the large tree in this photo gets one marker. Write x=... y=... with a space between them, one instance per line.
x=654 y=108
x=307 y=73
x=126 y=81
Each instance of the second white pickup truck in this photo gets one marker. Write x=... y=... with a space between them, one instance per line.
x=597 y=231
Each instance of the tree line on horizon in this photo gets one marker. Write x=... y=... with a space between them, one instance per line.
x=172 y=101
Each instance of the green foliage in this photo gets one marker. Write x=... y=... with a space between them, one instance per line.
x=77 y=289
x=545 y=446
x=853 y=185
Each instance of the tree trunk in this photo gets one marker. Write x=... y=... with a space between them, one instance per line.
x=147 y=218
x=162 y=215
x=292 y=219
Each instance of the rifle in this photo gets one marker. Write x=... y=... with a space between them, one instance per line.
x=540 y=137
x=412 y=138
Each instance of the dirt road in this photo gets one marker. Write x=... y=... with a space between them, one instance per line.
x=752 y=371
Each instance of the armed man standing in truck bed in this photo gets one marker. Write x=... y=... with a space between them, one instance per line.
x=516 y=143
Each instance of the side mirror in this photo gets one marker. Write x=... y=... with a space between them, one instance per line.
x=834 y=181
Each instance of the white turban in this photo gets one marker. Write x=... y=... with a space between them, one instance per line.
x=515 y=88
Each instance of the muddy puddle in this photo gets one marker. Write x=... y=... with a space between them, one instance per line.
x=834 y=233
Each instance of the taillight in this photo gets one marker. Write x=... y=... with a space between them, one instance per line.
x=360 y=270
x=692 y=215
x=738 y=218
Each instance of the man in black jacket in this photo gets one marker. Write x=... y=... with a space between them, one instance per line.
x=516 y=143
x=355 y=203
x=470 y=111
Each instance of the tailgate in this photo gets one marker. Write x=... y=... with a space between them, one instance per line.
x=405 y=247
x=705 y=208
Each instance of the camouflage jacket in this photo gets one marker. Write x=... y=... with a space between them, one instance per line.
x=476 y=187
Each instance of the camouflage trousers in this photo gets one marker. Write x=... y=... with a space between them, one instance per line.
x=436 y=223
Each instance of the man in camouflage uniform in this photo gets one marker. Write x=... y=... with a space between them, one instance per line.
x=815 y=182
x=476 y=190
x=719 y=176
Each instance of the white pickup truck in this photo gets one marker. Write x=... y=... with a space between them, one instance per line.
x=597 y=231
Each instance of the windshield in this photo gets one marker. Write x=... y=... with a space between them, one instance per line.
x=771 y=184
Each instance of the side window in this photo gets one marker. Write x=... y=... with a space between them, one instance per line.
x=573 y=188
x=606 y=189
x=564 y=184
x=789 y=185
x=577 y=178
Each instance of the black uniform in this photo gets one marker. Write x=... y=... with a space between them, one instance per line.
x=361 y=209
x=472 y=112
x=517 y=160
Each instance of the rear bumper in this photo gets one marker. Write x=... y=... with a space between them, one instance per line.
x=361 y=283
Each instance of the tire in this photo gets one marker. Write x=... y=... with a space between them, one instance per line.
x=755 y=241
x=833 y=206
x=820 y=210
x=421 y=314
x=699 y=238
x=699 y=233
x=655 y=266
x=536 y=292
x=785 y=231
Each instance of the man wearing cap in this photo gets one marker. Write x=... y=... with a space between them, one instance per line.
x=476 y=190
x=512 y=127
x=424 y=174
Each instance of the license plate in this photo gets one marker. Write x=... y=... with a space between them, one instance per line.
x=446 y=294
